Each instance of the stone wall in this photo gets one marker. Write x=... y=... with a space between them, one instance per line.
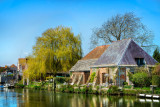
x=85 y=76
x=105 y=74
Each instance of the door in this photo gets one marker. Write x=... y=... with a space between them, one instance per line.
x=122 y=75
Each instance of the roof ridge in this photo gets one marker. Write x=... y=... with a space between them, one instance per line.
x=101 y=46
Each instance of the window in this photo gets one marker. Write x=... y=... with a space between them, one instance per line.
x=140 y=61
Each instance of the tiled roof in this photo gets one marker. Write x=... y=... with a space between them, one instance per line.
x=96 y=52
x=13 y=66
x=114 y=53
x=123 y=53
x=85 y=63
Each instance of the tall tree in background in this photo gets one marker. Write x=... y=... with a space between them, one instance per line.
x=122 y=27
x=57 y=50
x=156 y=55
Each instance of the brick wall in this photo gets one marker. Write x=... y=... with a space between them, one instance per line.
x=85 y=76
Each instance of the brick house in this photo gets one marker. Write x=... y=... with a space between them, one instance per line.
x=120 y=58
x=111 y=63
x=81 y=70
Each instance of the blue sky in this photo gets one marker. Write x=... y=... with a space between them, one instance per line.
x=21 y=21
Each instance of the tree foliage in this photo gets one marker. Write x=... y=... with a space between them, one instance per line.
x=56 y=50
x=156 y=55
x=123 y=26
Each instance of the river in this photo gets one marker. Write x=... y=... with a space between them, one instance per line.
x=41 y=98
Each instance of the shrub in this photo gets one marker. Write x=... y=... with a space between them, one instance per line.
x=113 y=90
x=84 y=89
x=63 y=88
x=67 y=88
x=156 y=70
x=89 y=89
x=131 y=92
x=97 y=87
x=19 y=85
x=125 y=83
x=141 y=79
x=157 y=91
x=48 y=78
x=70 y=88
x=156 y=80
x=37 y=87
x=128 y=86
x=130 y=75
x=92 y=76
x=77 y=90
x=61 y=80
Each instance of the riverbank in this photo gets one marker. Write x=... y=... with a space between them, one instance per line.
x=84 y=89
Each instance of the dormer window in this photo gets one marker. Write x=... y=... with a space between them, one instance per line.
x=140 y=61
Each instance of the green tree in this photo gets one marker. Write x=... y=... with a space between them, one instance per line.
x=56 y=50
x=123 y=26
x=156 y=55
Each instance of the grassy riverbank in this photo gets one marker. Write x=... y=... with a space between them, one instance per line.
x=112 y=90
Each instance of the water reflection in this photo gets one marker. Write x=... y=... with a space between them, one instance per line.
x=40 y=98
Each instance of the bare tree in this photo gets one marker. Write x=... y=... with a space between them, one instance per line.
x=122 y=27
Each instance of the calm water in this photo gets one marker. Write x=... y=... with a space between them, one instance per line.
x=36 y=98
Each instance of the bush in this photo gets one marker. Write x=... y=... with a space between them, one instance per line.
x=63 y=88
x=128 y=86
x=156 y=80
x=141 y=79
x=157 y=91
x=125 y=83
x=37 y=87
x=84 y=89
x=113 y=90
x=92 y=76
x=48 y=78
x=89 y=89
x=77 y=90
x=67 y=88
x=70 y=88
x=131 y=92
x=61 y=80
x=19 y=85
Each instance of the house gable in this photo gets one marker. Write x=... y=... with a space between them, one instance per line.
x=135 y=51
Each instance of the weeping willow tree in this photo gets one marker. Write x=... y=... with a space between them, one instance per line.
x=56 y=50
